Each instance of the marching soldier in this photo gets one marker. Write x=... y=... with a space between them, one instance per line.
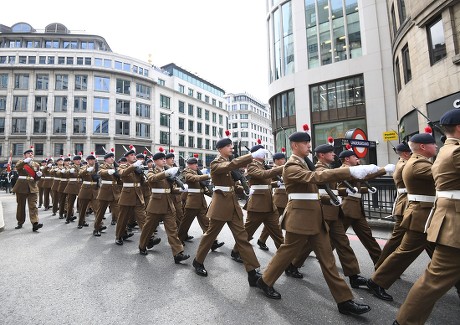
x=195 y=204
x=260 y=205
x=400 y=204
x=62 y=185
x=303 y=221
x=40 y=183
x=161 y=207
x=56 y=173
x=88 y=190
x=47 y=183
x=225 y=209
x=73 y=188
x=176 y=197
x=444 y=270
x=26 y=190
x=108 y=194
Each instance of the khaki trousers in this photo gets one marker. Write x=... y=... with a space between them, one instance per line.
x=264 y=234
x=393 y=242
x=364 y=233
x=187 y=220
x=31 y=199
x=138 y=211
x=114 y=208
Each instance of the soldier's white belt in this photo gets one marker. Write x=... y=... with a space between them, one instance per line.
x=322 y=191
x=108 y=182
x=89 y=183
x=195 y=190
x=303 y=196
x=131 y=184
x=73 y=179
x=161 y=190
x=420 y=198
x=57 y=179
x=357 y=195
x=223 y=188
x=261 y=187
x=49 y=177
x=402 y=190
x=24 y=177
x=455 y=194
x=64 y=179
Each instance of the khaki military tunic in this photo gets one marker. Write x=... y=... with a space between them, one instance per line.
x=26 y=191
x=108 y=195
x=88 y=192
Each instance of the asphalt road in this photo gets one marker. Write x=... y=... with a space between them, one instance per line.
x=63 y=275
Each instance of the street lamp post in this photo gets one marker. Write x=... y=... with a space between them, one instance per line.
x=169 y=131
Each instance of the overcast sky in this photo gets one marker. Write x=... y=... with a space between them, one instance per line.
x=222 y=41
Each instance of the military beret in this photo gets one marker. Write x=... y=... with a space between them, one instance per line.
x=159 y=155
x=148 y=160
x=140 y=156
x=122 y=160
x=257 y=147
x=59 y=159
x=402 y=147
x=279 y=155
x=324 y=148
x=223 y=143
x=299 y=137
x=76 y=157
x=451 y=117
x=67 y=159
x=129 y=152
x=169 y=155
x=192 y=161
x=108 y=155
x=346 y=153
x=27 y=151
x=44 y=161
x=91 y=156
x=423 y=138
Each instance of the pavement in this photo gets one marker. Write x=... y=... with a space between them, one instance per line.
x=63 y=275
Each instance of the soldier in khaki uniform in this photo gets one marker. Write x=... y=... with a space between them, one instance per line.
x=89 y=188
x=399 y=206
x=56 y=174
x=64 y=173
x=47 y=183
x=40 y=183
x=26 y=190
x=177 y=200
x=443 y=229
x=195 y=204
x=161 y=207
x=108 y=193
x=260 y=206
x=73 y=188
x=225 y=209
x=304 y=222
x=353 y=209
x=131 y=199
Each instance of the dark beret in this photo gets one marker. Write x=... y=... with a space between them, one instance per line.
x=159 y=155
x=169 y=155
x=299 y=137
x=402 y=147
x=127 y=153
x=90 y=157
x=108 y=155
x=223 y=143
x=257 y=147
x=76 y=157
x=27 y=151
x=44 y=161
x=451 y=117
x=59 y=159
x=279 y=155
x=122 y=160
x=346 y=153
x=67 y=159
x=324 y=148
x=148 y=160
x=140 y=155
x=423 y=138
x=192 y=161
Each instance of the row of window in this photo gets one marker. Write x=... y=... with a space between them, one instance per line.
x=199 y=112
x=199 y=96
x=199 y=144
x=252 y=126
x=254 y=136
x=247 y=107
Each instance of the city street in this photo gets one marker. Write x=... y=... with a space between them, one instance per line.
x=64 y=275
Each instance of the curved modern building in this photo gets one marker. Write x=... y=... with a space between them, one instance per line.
x=65 y=93
x=330 y=67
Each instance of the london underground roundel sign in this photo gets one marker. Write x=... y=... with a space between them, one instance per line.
x=358 y=141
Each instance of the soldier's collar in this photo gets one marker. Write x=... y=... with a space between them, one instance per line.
x=219 y=156
x=302 y=160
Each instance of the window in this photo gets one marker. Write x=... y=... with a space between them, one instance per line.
x=99 y=148
x=214 y=131
x=190 y=109
x=38 y=149
x=69 y=60
x=18 y=149
x=32 y=59
x=191 y=142
x=244 y=125
x=244 y=116
x=406 y=64
x=122 y=107
x=436 y=41
x=199 y=143
x=2 y=103
x=190 y=92
x=21 y=81
x=79 y=60
x=101 y=105
x=206 y=129
x=190 y=125
x=101 y=83
x=59 y=126
x=22 y=59
x=214 y=117
x=40 y=125
x=41 y=103
x=60 y=104
x=207 y=144
x=41 y=82
x=221 y=119
x=143 y=110
x=182 y=89
x=397 y=75
x=3 y=81
x=402 y=11
x=79 y=125
x=244 y=134
x=165 y=102
x=100 y=126
x=206 y=98
x=81 y=82
x=161 y=82
x=19 y=103
x=143 y=130
x=79 y=104
x=199 y=127
x=181 y=123
x=164 y=137
x=181 y=140
x=121 y=127
x=62 y=82
x=393 y=20
x=214 y=102
x=206 y=115
x=181 y=107
x=79 y=147
x=199 y=112
x=143 y=91
x=58 y=149
x=164 y=119
x=123 y=86
x=199 y=95
x=2 y=125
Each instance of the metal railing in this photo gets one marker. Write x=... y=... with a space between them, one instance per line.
x=379 y=205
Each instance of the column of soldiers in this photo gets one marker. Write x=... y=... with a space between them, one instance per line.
x=426 y=211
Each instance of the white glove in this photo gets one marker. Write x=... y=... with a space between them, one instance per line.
x=49 y=165
x=27 y=160
x=90 y=169
x=349 y=192
x=362 y=171
x=138 y=163
x=279 y=183
x=72 y=170
x=251 y=191
x=63 y=170
x=339 y=198
x=185 y=189
x=171 y=171
x=390 y=168
x=260 y=153
x=111 y=171
x=39 y=174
